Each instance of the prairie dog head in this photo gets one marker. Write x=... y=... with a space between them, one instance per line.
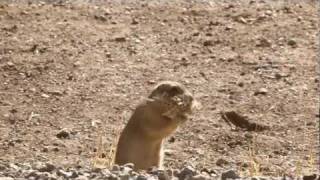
x=174 y=99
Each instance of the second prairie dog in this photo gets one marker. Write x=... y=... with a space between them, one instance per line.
x=140 y=143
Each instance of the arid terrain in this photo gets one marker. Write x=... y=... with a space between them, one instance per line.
x=72 y=73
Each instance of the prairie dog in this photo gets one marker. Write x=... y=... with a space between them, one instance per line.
x=140 y=143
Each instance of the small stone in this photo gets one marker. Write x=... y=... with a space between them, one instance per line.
x=172 y=139
x=187 y=172
x=310 y=177
x=67 y=174
x=200 y=177
x=77 y=63
x=168 y=152
x=248 y=135
x=45 y=95
x=96 y=170
x=100 y=17
x=242 y=20
x=280 y=75
x=120 y=39
x=2 y=167
x=263 y=42
x=46 y=167
x=33 y=175
x=108 y=55
x=134 y=21
x=82 y=178
x=240 y=84
x=55 y=92
x=115 y=168
x=221 y=162
x=129 y=165
x=142 y=177
x=228 y=28
x=292 y=43
x=106 y=172
x=126 y=170
x=63 y=134
x=112 y=177
x=45 y=149
x=268 y=12
x=262 y=91
x=231 y=174
x=14 y=167
x=162 y=175
x=208 y=43
x=10 y=64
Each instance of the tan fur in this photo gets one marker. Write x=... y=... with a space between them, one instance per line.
x=155 y=118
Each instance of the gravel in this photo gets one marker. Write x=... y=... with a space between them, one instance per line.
x=48 y=171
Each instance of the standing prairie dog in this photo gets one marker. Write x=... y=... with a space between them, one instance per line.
x=140 y=143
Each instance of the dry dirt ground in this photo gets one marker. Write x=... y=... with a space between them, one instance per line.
x=84 y=67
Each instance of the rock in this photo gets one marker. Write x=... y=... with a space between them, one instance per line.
x=168 y=152
x=263 y=42
x=240 y=84
x=268 y=12
x=200 y=177
x=96 y=170
x=33 y=175
x=100 y=17
x=221 y=162
x=63 y=134
x=67 y=174
x=126 y=170
x=292 y=43
x=231 y=174
x=162 y=175
x=115 y=168
x=120 y=39
x=14 y=167
x=134 y=21
x=2 y=167
x=81 y=178
x=172 y=139
x=228 y=27
x=310 y=177
x=280 y=75
x=142 y=177
x=10 y=64
x=208 y=43
x=45 y=167
x=45 y=150
x=129 y=165
x=211 y=172
x=45 y=95
x=186 y=172
x=77 y=63
x=262 y=91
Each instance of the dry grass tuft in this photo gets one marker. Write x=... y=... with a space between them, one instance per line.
x=105 y=152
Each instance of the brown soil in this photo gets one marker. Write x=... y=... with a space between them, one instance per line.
x=84 y=68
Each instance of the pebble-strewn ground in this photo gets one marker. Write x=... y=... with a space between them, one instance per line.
x=71 y=74
x=47 y=171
